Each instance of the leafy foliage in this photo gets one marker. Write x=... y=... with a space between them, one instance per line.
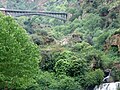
x=19 y=57
x=93 y=78
x=75 y=65
x=22 y=4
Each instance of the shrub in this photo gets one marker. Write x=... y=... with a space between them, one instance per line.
x=82 y=47
x=93 y=78
x=37 y=39
x=70 y=64
x=48 y=81
x=66 y=83
x=103 y=10
x=48 y=61
x=116 y=73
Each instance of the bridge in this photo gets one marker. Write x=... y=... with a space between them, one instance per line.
x=17 y=13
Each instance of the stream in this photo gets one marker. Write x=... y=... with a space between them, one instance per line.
x=108 y=86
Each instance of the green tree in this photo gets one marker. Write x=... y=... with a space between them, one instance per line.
x=19 y=57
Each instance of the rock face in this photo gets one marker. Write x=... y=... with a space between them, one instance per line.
x=108 y=86
x=73 y=38
x=114 y=40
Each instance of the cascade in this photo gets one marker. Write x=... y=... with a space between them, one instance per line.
x=108 y=86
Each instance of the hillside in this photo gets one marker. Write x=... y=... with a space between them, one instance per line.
x=77 y=54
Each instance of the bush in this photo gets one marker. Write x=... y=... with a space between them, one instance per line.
x=70 y=64
x=116 y=73
x=19 y=57
x=100 y=40
x=103 y=10
x=77 y=67
x=66 y=83
x=48 y=81
x=93 y=78
x=37 y=39
x=82 y=47
x=48 y=61
x=91 y=22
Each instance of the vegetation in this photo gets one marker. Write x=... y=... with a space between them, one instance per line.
x=74 y=55
x=19 y=57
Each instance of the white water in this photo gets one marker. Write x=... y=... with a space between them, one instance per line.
x=108 y=86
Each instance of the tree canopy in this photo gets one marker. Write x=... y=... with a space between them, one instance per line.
x=19 y=56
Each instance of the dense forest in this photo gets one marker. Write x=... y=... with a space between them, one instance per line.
x=44 y=53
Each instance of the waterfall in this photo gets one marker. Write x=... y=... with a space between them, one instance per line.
x=108 y=86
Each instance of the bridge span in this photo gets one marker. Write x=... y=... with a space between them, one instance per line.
x=17 y=13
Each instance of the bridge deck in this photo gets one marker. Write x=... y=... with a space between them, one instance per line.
x=58 y=15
